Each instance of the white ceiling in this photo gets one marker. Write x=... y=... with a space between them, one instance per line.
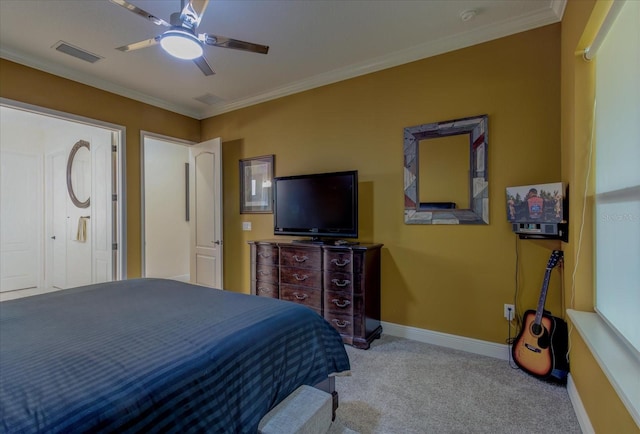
x=312 y=43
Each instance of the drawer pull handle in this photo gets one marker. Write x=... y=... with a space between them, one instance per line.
x=264 y=255
x=341 y=303
x=300 y=297
x=300 y=258
x=263 y=289
x=341 y=324
x=340 y=264
x=263 y=273
x=340 y=282
x=300 y=278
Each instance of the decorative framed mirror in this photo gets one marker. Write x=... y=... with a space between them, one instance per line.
x=77 y=174
x=460 y=154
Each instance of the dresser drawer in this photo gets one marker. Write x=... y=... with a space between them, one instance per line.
x=338 y=260
x=301 y=277
x=336 y=281
x=338 y=302
x=306 y=296
x=300 y=257
x=267 y=273
x=265 y=289
x=341 y=322
x=266 y=254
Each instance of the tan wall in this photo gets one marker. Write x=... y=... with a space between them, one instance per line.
x=453 y=279
x=35 y=87
x=606 y=411
x=444 y=170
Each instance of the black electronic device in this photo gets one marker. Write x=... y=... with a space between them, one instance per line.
x=317 y=205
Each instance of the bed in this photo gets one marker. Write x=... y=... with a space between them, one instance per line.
x=155 y=355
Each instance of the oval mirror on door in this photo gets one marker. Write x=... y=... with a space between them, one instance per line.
x=79 y=174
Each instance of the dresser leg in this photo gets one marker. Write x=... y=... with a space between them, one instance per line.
x=364 y=344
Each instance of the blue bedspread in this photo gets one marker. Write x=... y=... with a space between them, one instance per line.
x=153 y=355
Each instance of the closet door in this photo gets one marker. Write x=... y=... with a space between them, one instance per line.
x=20 y=225
x=101 y=209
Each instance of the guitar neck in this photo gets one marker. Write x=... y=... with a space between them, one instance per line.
x=543 y=296
x=555 y=257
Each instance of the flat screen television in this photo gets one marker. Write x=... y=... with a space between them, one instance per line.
x=317 y=205
x=539 y=210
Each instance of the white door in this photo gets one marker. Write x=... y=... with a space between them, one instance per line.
x=20 y=230
x=61 y=262
x=79 y=220
x=101 y=210
x=205 y=209
x=57 y=233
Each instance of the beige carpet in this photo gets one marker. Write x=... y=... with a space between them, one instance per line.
x=403 y=386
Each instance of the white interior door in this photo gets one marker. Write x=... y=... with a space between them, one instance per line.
x=57 y=264
x=205 y=205
x=65 y=261
x=101 y=210
x=20 y=224
x=79 y=242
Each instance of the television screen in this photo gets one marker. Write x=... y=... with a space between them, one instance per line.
x=537 y=203
x=317 y=205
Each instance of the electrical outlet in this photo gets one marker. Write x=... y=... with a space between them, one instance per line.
x=509 y=312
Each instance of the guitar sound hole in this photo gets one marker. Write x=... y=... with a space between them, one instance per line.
x=536 y=329
x=539 y=332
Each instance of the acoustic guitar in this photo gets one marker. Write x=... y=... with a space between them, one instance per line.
x=541 y=346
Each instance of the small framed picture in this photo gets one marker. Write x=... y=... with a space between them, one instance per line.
x=256 y=177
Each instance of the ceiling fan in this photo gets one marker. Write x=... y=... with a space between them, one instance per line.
x=181 y=40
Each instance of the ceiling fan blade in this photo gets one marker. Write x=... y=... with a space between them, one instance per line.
x=138 y=45
x=203 y=65
x=192 y=13
x=221 y=41
x=144 y=14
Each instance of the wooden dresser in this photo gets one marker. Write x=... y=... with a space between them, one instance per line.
x=341 y=283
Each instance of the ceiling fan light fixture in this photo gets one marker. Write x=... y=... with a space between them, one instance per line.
x=181 y=44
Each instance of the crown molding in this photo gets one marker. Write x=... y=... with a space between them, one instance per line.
x=93 y=81
x=552 y=14
x=558 y=7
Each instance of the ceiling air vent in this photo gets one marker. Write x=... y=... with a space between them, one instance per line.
x=79 y=53
x=209 y=99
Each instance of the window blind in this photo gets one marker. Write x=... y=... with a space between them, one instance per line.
x=617 y=175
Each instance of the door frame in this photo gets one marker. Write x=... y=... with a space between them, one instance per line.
x=120 y=221
x=143 y=230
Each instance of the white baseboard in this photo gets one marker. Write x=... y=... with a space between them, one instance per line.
x=476 y=346
x=578 y=408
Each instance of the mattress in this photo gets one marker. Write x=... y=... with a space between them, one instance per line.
x=154 y=355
